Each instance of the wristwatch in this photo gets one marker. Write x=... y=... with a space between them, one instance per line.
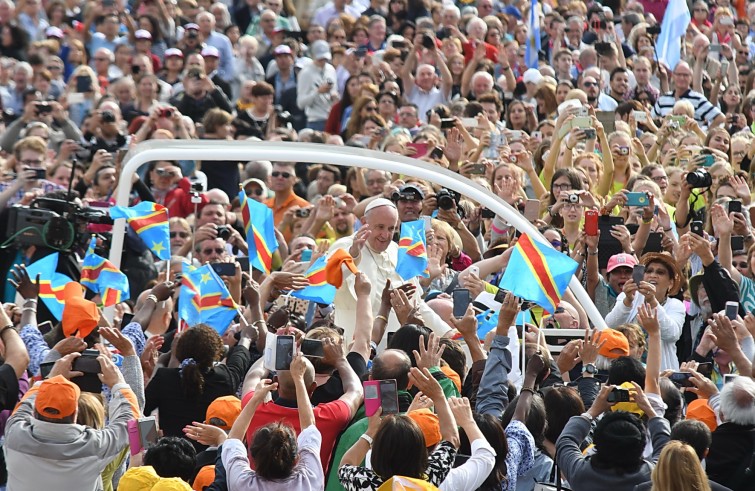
x=590 y=368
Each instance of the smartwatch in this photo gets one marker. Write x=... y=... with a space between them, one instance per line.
x=590 y=368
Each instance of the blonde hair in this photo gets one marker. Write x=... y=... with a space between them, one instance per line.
x=91 y=411
x=686 y=106
x=450 y=233
x=679 y=469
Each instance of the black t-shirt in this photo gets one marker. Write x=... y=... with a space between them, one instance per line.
x=333 y=388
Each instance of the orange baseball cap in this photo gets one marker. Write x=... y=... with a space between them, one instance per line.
x=429 y=423
x=80 y=316
x=57 y=398
x=333 y=270
x=701 y=411
x=205 y=477
x=616 y=343
x=226 y=409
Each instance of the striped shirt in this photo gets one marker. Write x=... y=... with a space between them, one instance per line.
x=705 y=112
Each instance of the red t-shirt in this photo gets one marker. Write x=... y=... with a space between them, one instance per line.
x=491 y=52
x=330 y=419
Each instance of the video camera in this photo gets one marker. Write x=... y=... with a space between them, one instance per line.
x=55 y=223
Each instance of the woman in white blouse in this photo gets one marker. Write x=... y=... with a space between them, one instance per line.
x=662 y=278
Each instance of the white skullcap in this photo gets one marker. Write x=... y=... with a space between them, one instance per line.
x=378 y=203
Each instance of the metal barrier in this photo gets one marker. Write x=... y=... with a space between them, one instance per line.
x=244 y=151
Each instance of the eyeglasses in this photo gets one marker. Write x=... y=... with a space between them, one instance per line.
x=739 y=154
x=590 y=84
x=660 y=179
x=54 y=67
x=557 y=244
x=284 y=175
x=183 y=235
x=700 y=10
x=406 y=115
x=562 y=187
x=36 y=162
x=740 y=265
x=217 y=250
x=165 y=173
x=102 y=59
x=658 y=271
x=255 y=191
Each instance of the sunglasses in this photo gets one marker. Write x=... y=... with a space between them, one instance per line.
x=284 y=175
x=557 y=244
x=165 y=173
x=255 y=191
x=591 y=84
x=183 y=235
x=217 y=250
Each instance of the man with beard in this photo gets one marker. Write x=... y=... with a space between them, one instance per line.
x=591 y=84
x=619 y=84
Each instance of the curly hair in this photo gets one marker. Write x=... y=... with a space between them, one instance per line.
x=274 y=450
x=202 y=344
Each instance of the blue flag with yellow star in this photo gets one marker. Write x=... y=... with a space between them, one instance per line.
x=51 y=283
x=150 y=222
x=204 y=299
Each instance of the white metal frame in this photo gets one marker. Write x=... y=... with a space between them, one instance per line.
x=244 y=151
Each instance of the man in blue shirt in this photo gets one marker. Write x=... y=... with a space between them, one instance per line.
x=206 y=22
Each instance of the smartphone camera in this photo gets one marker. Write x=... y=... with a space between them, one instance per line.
x=618 y=395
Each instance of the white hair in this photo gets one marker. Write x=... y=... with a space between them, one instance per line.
x=22 y=65
x=738 y=401
x=477 y=21
x=488 y=77
x=454 y=9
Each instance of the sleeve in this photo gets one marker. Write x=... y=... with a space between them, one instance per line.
x=152 y=391
x=35 y=345
x=9 y=391
x=660 y=434
x=721 y=286
x=123 y=408
x=620 y=313
x=521 y=448
x=135 y=334
x=236 y=463
x=134 y=376
x=440 y=462
x=70 y=130
x=492 y=393
x=355 y=478
x=228 y=57
x=671 y=320
x=588 y=388
x=221 y=480
x=568 y=455
x=23 y=412
x=238 y=363
x=221 y=100
x=474 y=471
x=306 y=90
x=11 y=134
x=472 y=382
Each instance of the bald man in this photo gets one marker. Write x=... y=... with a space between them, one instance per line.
x=211 y=37
x=705 y=112
x=376 y=255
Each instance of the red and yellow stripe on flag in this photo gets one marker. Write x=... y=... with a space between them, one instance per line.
x=536 y=262
x=317 y=277
x=147 y=222
x=414 y=249
x=264 y=254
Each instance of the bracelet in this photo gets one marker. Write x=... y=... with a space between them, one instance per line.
x=32 y=300
x=569 y=148
x=527 y=389
x=592 y=253
x=587 y=416
x=260 y=321
x=667 y=229
x=505 y=69
x=152 y=297
x=2 y=331
x=649 y=220
x=382 y=317
x=29 y=309
x=367 y=438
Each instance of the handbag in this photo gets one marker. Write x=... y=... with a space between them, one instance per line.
x=547 y=486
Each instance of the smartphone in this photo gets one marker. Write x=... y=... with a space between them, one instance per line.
x=147 y=430
x=724 y=67
x=389 y=397
x=696 y=227
x=420 y=149
x=134 y=440
x=638 y=273
x=515 y=135
x=637 y=199
x=39 y=173
x=312 y=347
x=306 y=255
x=485 y=213
x=737 y=243
x=589 y=133
x=45 y=327
x=447 y=123
x=591 y=222
x=243 y=262
x=532 y=209
x=284 y=352
x=83 y=83
x=732 y=309
x=371 y=397
x=581 y=122
x=679 y=120
x=469 y=122
x=708 y=160
x=45 y=368
x=224 y=269
x=126 y=320
x=735 y=206
x=618 y=395
x=436 y=154
x=640 y=116
x=681 y=379
x=478 y=169
x=87 y=364
x=714 y=48
x=705 y=369
x=461 y=300
x=361 y=52
x=729 y=377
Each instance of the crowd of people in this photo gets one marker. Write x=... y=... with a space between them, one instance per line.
x=636 y=168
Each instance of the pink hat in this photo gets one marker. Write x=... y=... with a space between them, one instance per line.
x=174 y=52
x=282 y=50
x=191 y=25
x=54 y=32
x=621 y=260
x=210 y=51
x=143 y=34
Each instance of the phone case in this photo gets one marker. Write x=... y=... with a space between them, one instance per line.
x=637 y=199
x=134 y=440
x=591 y=223
x=270 y=351
x=371 y=397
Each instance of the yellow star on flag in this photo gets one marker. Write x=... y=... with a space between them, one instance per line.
x=205 y=278
x=157 y=247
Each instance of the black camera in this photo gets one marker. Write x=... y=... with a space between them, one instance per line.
x=699 y=179
x=192 y=34
x=446 y=199
x=224 y=232
x=284 y=117
x=410 y=196
x=428 y=41
x=107 y=117
x=653 y=30
x=43 y=107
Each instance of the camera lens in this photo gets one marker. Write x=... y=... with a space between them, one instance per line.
x=700 y=179
x=223 y=232
x=573 y=198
